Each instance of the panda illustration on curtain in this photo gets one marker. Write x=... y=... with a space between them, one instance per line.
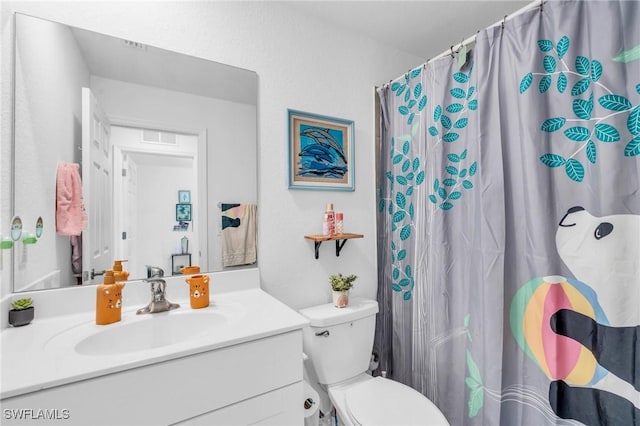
x=584 y=332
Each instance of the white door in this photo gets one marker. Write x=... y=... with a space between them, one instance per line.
x=97 y=240
x=129 y=232
x=125 y=210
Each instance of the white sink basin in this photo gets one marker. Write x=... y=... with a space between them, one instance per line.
x=136 y=333
x=156 y=331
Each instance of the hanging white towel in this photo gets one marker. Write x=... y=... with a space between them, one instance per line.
x=239 y=234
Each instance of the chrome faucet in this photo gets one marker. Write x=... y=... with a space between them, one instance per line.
x=158 y=301
x=154 y=272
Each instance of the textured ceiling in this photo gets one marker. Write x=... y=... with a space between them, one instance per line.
x=424 y=28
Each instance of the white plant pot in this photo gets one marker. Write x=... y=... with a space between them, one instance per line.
x=340 y=298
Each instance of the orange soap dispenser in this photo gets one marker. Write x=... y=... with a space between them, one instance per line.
x=109 y=300
x=118 y=273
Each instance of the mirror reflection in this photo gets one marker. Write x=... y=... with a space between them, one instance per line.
x=124 y=151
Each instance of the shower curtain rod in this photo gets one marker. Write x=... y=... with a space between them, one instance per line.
x=469 y=40
x=451 y=51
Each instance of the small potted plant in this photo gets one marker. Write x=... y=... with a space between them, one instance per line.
x=22 y=312
x=341 y=285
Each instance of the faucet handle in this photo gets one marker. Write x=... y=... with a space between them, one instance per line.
x=154 y=271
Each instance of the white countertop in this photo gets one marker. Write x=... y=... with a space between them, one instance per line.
x=42 y=355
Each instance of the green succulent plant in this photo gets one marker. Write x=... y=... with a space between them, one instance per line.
x=341 y=282
x=21 y=304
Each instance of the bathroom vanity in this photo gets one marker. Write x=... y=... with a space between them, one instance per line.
x=239 y=361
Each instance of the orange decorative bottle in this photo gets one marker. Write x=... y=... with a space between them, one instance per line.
x=109 y=300
x=118 y=273
x=198 y=291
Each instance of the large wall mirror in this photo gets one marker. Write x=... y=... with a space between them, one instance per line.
x=163 y=141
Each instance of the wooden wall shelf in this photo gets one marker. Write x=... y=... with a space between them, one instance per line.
x=340 y=240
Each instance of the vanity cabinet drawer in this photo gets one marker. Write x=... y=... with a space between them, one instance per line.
x=171 y=391
x=281 y=407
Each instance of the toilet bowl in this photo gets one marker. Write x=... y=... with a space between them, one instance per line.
x=372 y=401
x=338 y=342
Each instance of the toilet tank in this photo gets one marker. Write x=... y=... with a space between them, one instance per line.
x=339 y=341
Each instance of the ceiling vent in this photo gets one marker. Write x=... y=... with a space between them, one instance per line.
x=134 y=45
x=157 y=137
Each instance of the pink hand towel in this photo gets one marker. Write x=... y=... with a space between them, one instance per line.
x=71 y=218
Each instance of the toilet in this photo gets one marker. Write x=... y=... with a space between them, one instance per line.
x=338 y=343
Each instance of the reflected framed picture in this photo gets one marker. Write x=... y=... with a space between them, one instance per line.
x=183 y=212
x=184 y=196
x=321 y=152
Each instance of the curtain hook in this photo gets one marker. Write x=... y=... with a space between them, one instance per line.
x=541 y=5
x=452 y=51
x=504 y=20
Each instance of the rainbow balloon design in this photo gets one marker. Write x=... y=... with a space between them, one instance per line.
x=559 y=357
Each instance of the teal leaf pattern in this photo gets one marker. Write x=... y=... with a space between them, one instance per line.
x=437 y=113
x=593 y=124
x=591 y=152
x=607 y=133
x=562 y=82
x=563 y=46
x=422 y=103
x=580 y=87
x=574 y=169
x=615 y=102
x=458 y=93
x=545 y=45
x=473 y=169
x=472 y=90
x=583 y=65
x=461 y=123
x=596 y=70
x=454 y=181
x=450 y=137
x=553 y=124
x=633 y=147
x=405 y=232
x=582 y=108
x=461 y=77
x=578 y=134
x=545 y=83
x=549 y=63
x=455 y=107
x=552 y=160
x=414 y=100
x=633 y=121
x=526 y=82
x=417 y=91
x=450 y=118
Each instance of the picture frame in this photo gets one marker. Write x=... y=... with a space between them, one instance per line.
x=321 y=152
x=184 y=196
x=183 y=212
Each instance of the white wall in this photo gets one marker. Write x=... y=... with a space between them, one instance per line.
x=301 y=64
x=50 y=128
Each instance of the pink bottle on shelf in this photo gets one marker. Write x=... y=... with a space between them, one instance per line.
x=330 y=220
x=339 y=223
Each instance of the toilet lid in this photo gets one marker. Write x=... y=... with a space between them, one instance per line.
x=385 y=402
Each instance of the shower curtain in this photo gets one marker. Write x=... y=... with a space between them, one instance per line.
x=509 y=222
